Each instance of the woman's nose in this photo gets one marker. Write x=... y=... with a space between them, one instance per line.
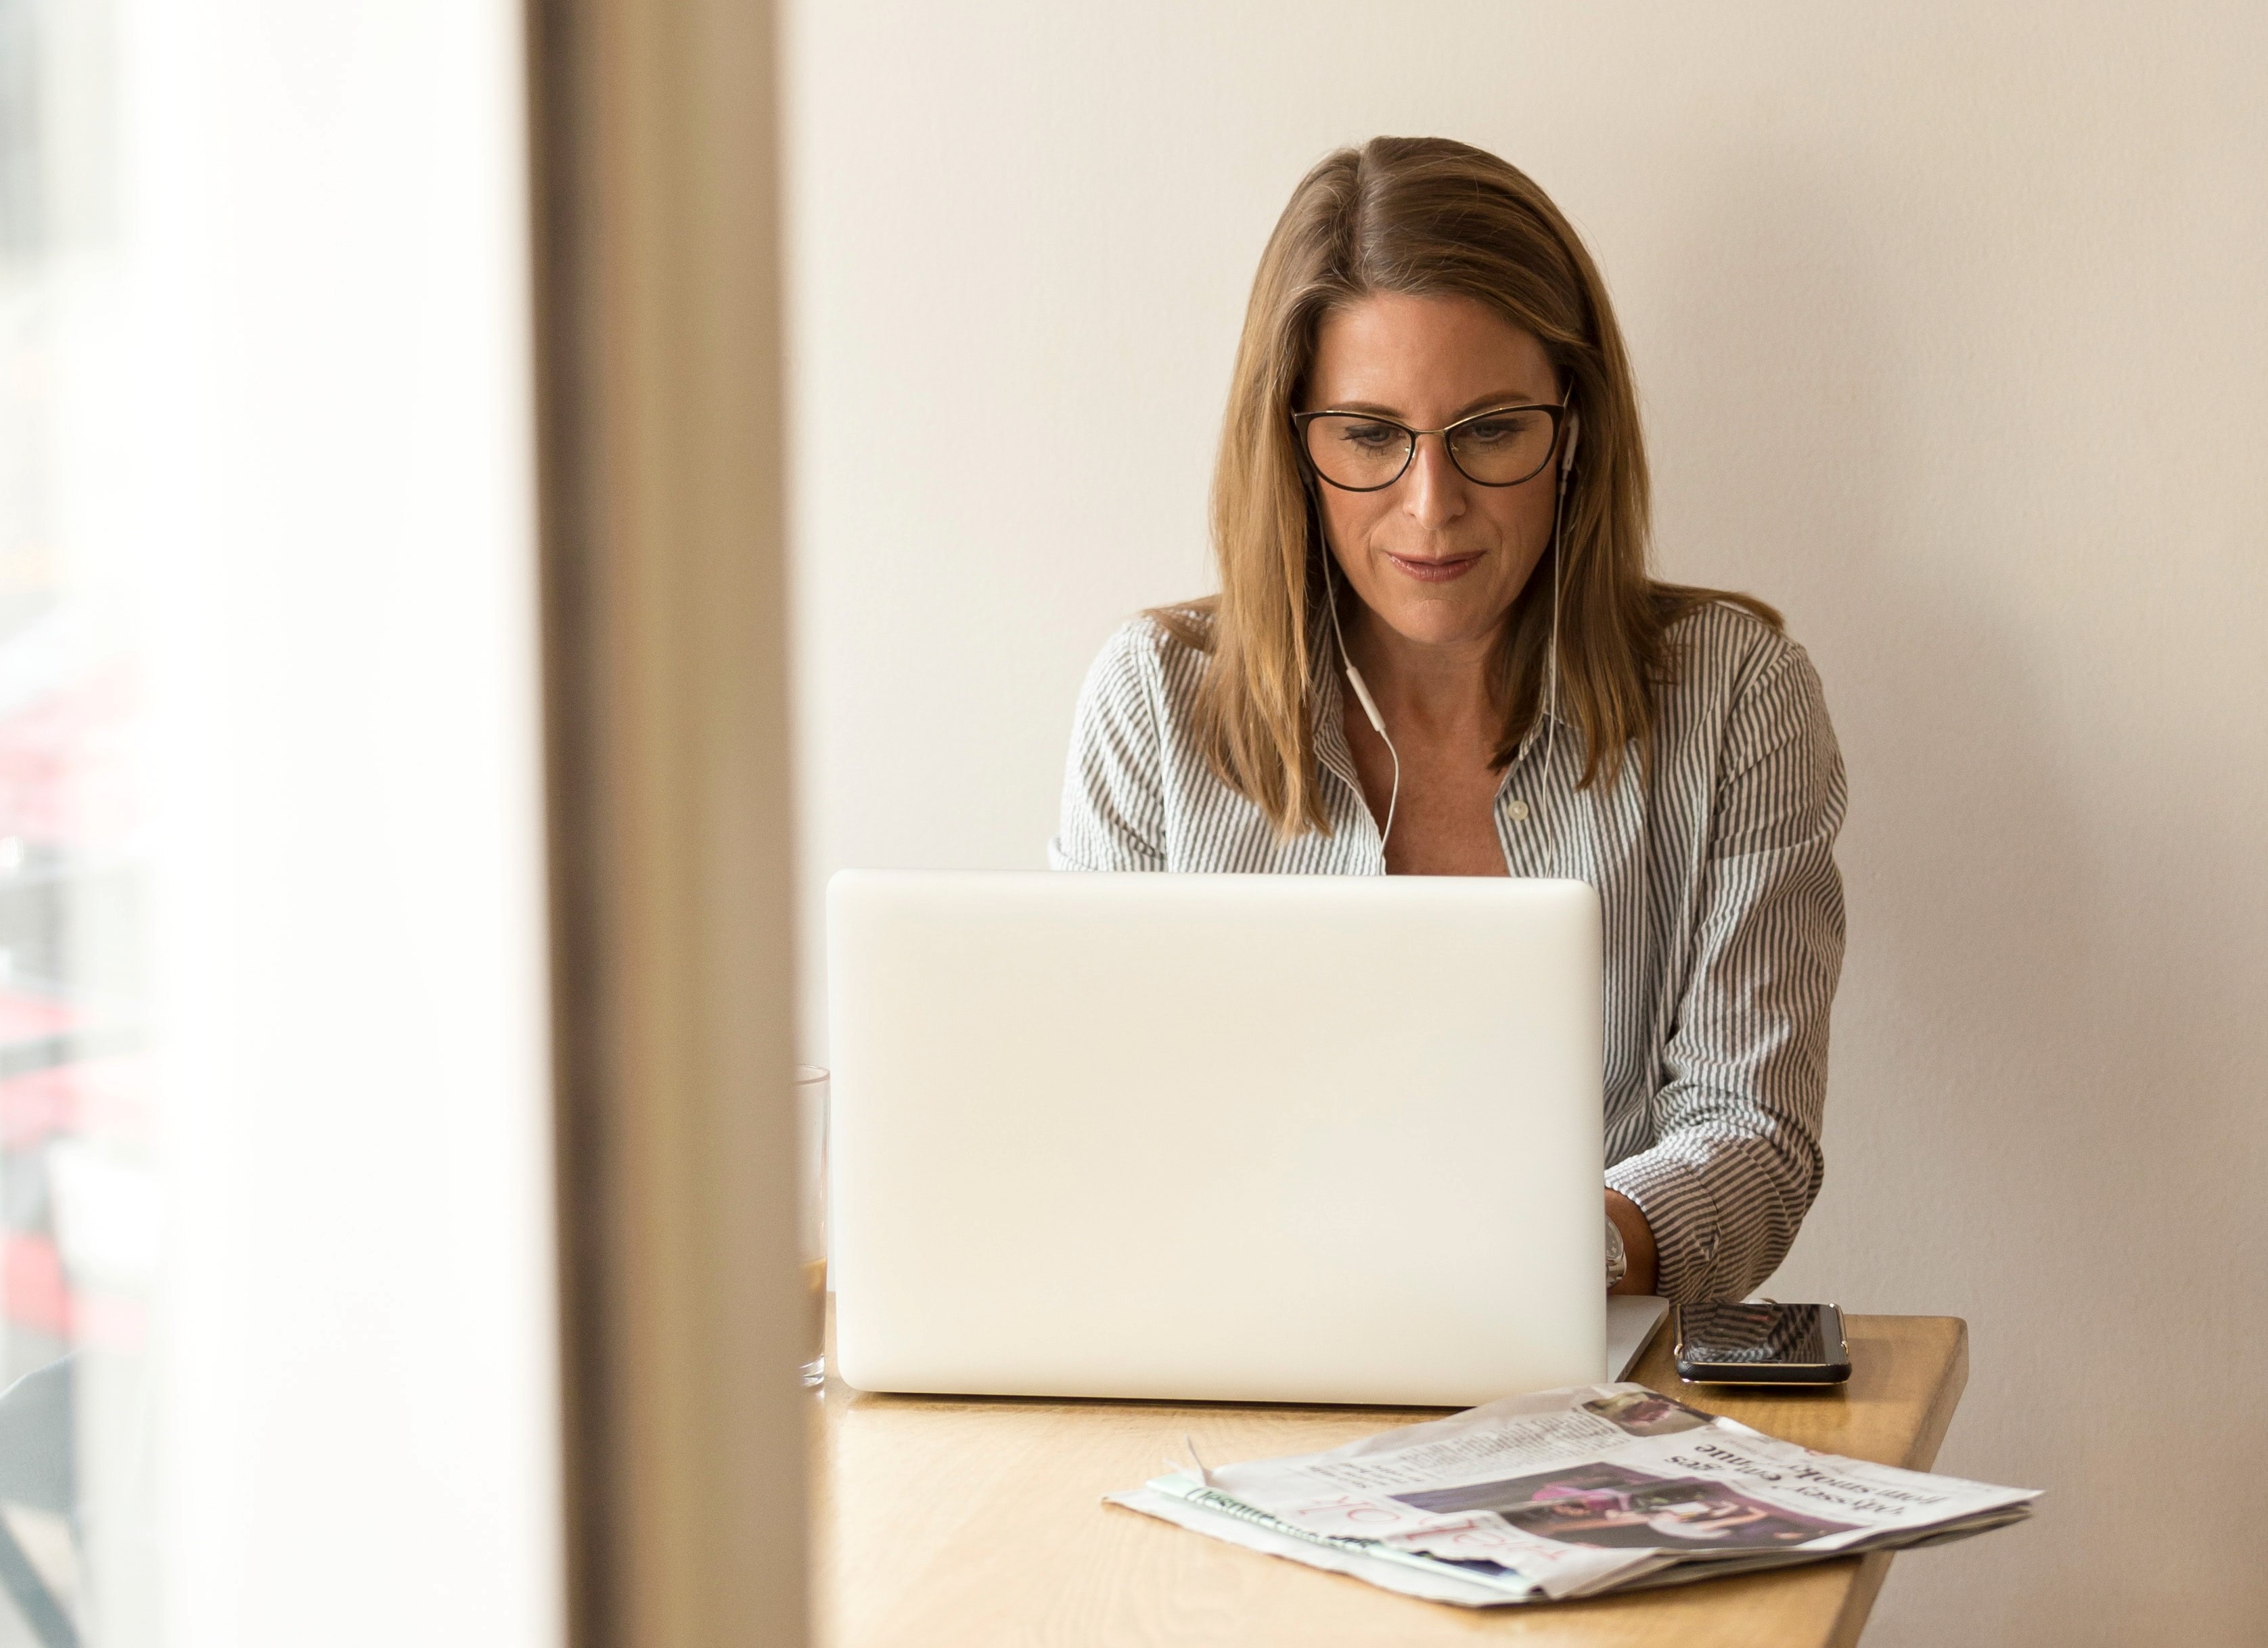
x=1436 y=489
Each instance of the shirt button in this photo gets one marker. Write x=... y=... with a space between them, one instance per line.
x=1518 y=809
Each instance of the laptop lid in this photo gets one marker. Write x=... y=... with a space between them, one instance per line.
x=1271 y=1138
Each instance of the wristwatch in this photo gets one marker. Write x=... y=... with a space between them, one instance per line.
x=1618 y=1255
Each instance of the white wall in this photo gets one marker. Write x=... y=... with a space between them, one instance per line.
x=1951 y=327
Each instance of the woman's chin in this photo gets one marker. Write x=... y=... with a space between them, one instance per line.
x=1442 y=624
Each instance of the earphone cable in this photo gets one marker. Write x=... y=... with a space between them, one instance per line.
x=1377 y=722
x=1551 y=658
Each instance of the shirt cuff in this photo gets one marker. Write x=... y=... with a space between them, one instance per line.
x=1683 y=1216
x=1061 y=858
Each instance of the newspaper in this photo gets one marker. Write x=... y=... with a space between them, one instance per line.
x=1569 y=1493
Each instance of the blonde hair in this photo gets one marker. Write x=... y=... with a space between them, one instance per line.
x=1424 y=217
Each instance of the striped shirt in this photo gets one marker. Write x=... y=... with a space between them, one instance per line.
x=1724 y=912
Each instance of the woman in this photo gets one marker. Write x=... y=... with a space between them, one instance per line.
x=1431 y=505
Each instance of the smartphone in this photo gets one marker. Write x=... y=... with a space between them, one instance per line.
x=1762 y=1344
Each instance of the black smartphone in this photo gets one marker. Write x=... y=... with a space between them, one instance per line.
x=1762 y=1344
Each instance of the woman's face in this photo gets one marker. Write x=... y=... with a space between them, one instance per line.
x=1438 y=558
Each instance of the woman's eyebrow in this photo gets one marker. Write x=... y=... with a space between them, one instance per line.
x=1487 y=402
x=1517 y=397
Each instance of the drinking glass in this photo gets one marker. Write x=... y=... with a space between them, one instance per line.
x=811 y=1085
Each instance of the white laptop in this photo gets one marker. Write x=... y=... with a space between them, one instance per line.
x=1238 y=1138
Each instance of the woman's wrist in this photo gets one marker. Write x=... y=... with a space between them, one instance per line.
x=1640 y=1258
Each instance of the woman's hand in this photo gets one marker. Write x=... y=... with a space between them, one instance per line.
x=1638 y=1244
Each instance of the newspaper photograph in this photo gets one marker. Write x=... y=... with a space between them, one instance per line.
x=1569 y=1493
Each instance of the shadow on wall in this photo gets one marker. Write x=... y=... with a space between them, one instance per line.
x=2044 y=1104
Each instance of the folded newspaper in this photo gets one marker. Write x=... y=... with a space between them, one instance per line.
x=1569 y=1493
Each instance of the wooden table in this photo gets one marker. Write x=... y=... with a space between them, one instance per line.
x=960 y=1520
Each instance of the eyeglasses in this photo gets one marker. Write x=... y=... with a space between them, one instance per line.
x=1360 y=452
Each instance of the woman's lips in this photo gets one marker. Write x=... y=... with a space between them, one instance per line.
x=1441 y=571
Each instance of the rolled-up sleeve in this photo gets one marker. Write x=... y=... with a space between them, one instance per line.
x=1114 y=807
x=1735 y=1161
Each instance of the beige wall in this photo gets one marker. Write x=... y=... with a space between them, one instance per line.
x=1950 y=325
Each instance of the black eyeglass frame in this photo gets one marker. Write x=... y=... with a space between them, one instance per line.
x=1300 y=419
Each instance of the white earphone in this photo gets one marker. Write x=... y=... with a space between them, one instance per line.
x=1362 y=696
x=1551 y=658
x=1551 y=661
